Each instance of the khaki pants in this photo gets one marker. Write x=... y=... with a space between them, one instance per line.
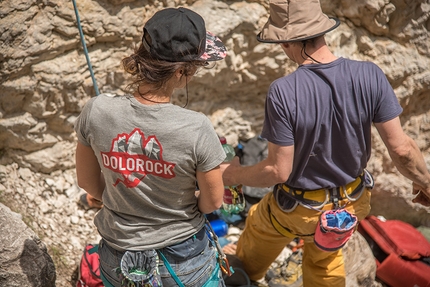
x=260 y=243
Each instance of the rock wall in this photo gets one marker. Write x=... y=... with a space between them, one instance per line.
x=45 y=82
x=24 y=260
x=45 y=78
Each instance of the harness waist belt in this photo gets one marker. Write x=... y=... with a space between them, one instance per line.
x=326 y=194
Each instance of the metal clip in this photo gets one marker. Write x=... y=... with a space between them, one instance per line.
x=334 y=197
x=222 y=258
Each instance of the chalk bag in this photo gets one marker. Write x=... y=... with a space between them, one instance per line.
x=334 y=229
x=140 y=269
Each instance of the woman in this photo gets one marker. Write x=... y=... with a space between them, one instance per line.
x=142 y=157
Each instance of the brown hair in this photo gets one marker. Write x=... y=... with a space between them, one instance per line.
x=147 y=70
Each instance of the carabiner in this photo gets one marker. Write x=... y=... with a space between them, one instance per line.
x=225 y=265
x=222 y=258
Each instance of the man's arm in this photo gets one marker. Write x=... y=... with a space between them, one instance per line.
x=211 y=190
x=274 y=169
x=88 y=172
x=406 y=157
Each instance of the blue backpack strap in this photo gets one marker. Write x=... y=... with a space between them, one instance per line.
x=167 y=264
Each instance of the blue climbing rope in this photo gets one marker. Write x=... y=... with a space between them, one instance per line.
x=81 y=34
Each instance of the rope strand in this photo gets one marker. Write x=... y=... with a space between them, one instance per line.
x=81 y=34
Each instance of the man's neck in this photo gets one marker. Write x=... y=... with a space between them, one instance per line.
x=318 y=55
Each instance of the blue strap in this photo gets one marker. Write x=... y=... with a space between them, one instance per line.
x=174 y=276
x=214 y=280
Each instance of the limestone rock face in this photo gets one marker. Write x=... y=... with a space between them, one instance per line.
x=45 y=81
x=360 y=265
x=24 y=259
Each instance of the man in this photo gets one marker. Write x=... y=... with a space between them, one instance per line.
x=318 y=124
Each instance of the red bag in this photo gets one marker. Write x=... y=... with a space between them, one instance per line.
x=401 y=252
x=89 y=268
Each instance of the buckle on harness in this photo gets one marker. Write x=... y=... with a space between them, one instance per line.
x=334 y=197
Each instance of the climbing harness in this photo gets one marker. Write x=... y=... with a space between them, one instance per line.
x=288 y=198
x=334 y=226
x=81 y=34
x=222 y=262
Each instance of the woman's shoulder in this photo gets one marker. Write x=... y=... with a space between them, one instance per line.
x=189 y=113
x=111 y=96
x=108 y=100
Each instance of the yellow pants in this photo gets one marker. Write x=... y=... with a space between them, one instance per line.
x=260 y=243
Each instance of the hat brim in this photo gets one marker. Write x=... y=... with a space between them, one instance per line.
x=215 y=49
x=337 y=23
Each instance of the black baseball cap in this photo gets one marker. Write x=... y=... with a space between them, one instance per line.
x=179 y=35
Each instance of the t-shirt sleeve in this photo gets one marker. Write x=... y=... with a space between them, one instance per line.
x=387 y=106
x=210 y=153
x=82 y=123
x=277 y=125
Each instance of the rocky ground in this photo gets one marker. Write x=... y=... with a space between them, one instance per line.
x=49 y=205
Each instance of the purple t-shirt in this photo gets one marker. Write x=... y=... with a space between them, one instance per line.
x=326 y=112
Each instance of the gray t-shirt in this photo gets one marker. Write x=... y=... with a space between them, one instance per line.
x=149 y=156
x=326 y=112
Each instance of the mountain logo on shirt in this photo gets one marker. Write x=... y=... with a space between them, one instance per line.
x=133 y=157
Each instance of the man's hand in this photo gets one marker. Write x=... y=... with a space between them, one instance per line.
x=421 y=197
x=227 y=170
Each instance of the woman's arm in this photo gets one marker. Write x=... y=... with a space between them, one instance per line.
x=88 y=172
x=211 y=190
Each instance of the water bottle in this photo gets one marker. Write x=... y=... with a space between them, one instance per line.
x=219 y=226
x=233 y=199
x=228 y=149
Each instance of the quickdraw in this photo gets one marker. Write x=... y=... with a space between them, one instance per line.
x=222 y=258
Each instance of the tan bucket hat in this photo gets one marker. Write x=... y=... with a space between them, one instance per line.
x=295 y=20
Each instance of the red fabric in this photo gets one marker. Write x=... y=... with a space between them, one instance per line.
x=398 y=248
x=332 y=238
x=398 y=272
x=395 y=236
x=89 y=272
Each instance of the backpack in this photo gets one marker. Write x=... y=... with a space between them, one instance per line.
x=89 y=268
x=401 y=252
